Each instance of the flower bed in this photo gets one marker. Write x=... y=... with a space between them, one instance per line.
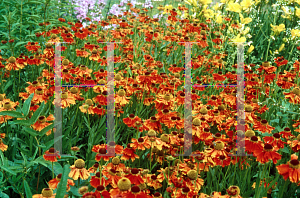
x=235 y=104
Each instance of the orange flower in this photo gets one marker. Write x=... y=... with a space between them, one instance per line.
x=135 y=177
x=121 y=98
x=295 y=144
x=293 y=96
x=3 y=147
x=51 y=155
x=101 y=191
x=82 y=34
x=290 y=170
x=101 y=150
x=268 y=153
x=12 y=64
x=67 y=99
x=32 y=46
x=130 y=121
x=46 y=192
x=78 y=170
x=95 y=180
x=128 y=153
x=41 y=123
x=142 y=143
x=53 y=183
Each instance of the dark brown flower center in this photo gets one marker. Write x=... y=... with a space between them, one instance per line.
x=268 y=147
x=134 y=171
x=254 y=138
x=102 y=151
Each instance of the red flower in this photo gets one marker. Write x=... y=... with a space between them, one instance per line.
x=268 y=153
x=290 y=170
x=51 y=155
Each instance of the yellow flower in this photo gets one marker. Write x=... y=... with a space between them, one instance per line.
x=219 y=19
x=216 y=7
x=281 y=47
x=205 y=2
x=246 y=30
x=209 y=13
x=278 y=28
x=287 y=13
x=191 y=2
x=246 y=4
x=294 y=1
x=167 y=9
x=295 y=33
x=245 y=20
x=234 y=7
x=239 y=39
x=251 y=48
x=298 y=12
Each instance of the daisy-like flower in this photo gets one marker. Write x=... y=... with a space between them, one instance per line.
x=3 y=147
x=78 y=170
x=46 y=192
x=268 y=153
x=95 y=180
x=53 y=183
x=32 y=46
x=141 y=143
x=295 y=144
x=290 y=170
x=87 y=107
x=41 y=123
x=129 y=153
x=275 y=140
x=234 y=191
x=130 y=121
x=67 y=99
x=101 y=191
x=280 y=61
x=293 y=96
x=101 y=153
x=51 y=155
x=121 y=98
x=12 y=64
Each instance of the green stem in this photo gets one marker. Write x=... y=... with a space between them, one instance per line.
x=52 y=171
x=282 y=191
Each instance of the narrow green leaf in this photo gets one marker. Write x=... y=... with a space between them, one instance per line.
x=3 y=195
x=22 y=122
x=31 y=131
x=27 y=189
x=8 y=170
x=26 y=105
x=62 y=186
x=37 y=113
x=46 y=129
x=14 y=114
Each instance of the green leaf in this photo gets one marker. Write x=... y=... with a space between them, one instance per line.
x=8 y=170
x=12 y=114
x=62 y=186
x=37 y=114
x=3 y=195
x=22 y=122
x=285 y=150
x=26 y=105
x=27 y=189
x=8 y=85
x=50 y=143
x=5 y=19
x=46 y=129
x=56 y=166
x=31 y=131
